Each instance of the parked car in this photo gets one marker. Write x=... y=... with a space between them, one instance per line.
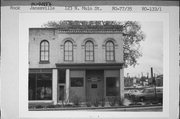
x=149 y=94
x=132 y=91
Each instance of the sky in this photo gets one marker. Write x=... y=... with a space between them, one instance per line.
x=151 y=47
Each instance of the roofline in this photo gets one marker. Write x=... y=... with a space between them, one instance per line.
x=84 y=31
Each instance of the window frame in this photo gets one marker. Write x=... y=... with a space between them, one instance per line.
x=72 y=50
x=44 y=51
x=108 y=57
x=89 y=51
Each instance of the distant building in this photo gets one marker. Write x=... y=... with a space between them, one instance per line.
x=159 y=80
x=66 y=63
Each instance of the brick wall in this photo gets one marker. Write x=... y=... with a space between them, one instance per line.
x=56 y=40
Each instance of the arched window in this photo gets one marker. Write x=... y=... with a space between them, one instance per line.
x=68 y=51
x=110 y=51
x=44 y=51
x=89 y=51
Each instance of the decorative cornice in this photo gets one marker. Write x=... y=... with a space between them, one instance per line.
x=89 y=31
x=81 y=31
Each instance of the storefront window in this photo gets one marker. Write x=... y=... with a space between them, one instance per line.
x=40 y=86
x=112 y=86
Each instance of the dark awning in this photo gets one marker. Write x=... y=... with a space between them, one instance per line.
x=89 y=65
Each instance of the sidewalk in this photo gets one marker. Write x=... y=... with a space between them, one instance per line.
x=115 y=108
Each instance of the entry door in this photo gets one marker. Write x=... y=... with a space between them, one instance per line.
x=94 y=83
x=61 y=93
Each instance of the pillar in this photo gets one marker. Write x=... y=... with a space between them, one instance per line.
x=54 y=86
x=67 y=85
x=121 y=78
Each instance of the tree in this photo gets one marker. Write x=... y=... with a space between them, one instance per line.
x=131 y=30
x=133 y=35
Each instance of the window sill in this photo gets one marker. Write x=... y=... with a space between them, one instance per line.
x=44 y=62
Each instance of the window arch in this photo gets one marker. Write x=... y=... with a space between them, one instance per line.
x=68 y=51
x=89 y=51
x=44 y=51
x=110 y=51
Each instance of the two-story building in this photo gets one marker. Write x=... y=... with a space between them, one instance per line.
x=84 y=63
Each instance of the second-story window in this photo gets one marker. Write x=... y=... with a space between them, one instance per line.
x=110 y=51
x=68 y=51
x=44 y=51
x=89 y=51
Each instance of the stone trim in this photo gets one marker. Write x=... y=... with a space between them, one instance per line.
x=112 y=40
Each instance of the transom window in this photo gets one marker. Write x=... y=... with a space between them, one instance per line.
x=68 y=51
x=44 y=51
x=110 y=51
x=89 y=51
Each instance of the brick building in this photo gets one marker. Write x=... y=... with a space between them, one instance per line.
x=84 y=63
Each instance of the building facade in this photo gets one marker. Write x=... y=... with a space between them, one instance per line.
x=64 y=64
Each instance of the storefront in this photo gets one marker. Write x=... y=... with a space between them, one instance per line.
x=83 y=81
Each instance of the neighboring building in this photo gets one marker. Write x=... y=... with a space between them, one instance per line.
x=159 y=80
x=84 y=63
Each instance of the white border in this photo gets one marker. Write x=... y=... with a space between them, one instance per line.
x=23 y=63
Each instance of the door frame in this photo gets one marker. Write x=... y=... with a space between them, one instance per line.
x=58 y=92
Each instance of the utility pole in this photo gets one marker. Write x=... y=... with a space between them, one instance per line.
x=151 y=75
x=155 y=85
x=153 y=81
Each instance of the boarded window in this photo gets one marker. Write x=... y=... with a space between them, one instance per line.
x=77 y=82
x=112 y=86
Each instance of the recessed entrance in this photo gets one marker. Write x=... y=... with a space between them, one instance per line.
x=95 y=84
